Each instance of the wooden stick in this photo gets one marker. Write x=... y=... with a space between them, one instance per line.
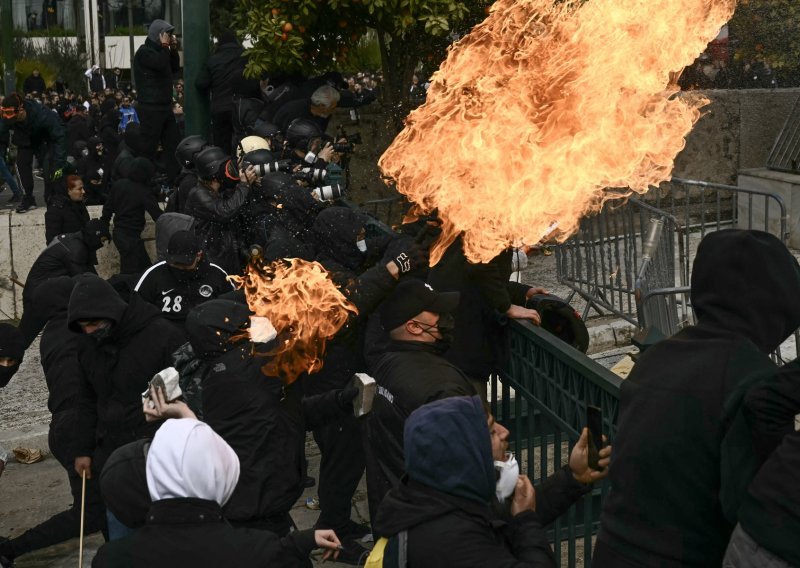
x=83 y=510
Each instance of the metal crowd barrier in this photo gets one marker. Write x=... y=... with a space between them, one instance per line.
x=541 y=397
x=609 y=264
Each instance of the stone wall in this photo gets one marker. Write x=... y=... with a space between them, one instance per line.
x=21 y=242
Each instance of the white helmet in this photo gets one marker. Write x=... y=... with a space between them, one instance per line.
x=250 y=143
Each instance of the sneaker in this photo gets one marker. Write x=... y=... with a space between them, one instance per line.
x=26 y=206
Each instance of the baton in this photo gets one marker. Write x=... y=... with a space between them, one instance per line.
x=83 y=510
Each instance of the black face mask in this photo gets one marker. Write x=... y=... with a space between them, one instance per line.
x=446 y=326
x=101 y=334
x=184 y=275
x=7 y=372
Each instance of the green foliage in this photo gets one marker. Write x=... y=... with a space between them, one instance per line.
x=57 y=58
x=769 y=29
x=24 y=67
x=123 y=31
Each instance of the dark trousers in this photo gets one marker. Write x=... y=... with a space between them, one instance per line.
x=158 y=126
x=133 y=258
x=32 y=322
x=25 y=157
x=222 y=130
x=340 y=470
x=66 y=525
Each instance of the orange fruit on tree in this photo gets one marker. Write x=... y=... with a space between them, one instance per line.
x=287 y=27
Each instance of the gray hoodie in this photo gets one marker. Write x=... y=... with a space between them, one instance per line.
x=155 y=29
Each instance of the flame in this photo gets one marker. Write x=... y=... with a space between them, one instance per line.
x=305 y=307
x=542 y=107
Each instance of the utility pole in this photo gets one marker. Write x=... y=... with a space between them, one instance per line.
x=9 y=79
x=196 y=39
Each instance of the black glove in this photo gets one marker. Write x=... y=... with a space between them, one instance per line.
x=406 y=255
x=346 y=396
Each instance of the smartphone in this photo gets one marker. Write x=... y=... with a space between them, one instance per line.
x=594 y=422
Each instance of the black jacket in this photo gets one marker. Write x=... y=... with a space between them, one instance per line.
x=664 y=507
x=409 y=374
x=193 y=532
x=263 y=420
x=217 y=224
x=33 y=84
x=66 y=255
x=127 y=203
x=116 y=370
x=153 y=69
x=300 y=108
x=59 y=345
x=450 y=519
x=41 y=126
x=79 y=128
x=175 y=292
x=218 y=75
x=64 y=216
x=186 y=182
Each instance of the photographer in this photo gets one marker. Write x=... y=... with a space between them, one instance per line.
x=318 y=109
x=216 y=214
x=154 y=65
x=129 y=199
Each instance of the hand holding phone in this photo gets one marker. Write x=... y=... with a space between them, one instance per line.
x=594 y=422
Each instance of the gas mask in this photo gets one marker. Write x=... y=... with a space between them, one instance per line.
x=508 y=474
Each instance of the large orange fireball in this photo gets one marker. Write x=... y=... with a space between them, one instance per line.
x=305 y=307
x=542 y=107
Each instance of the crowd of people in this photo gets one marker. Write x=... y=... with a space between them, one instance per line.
x=193 y=455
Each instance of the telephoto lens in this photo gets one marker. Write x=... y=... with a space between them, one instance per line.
x=328 y=192
x=273 y=167
x=311 y=175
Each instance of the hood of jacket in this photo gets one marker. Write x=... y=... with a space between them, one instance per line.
x=448 y=448
x=747 y=283
x=335 y=231
x=214 y=327
x=52 y=296
x=156 y=28
x=188 y=459
x=93 y=298
x=123 y=483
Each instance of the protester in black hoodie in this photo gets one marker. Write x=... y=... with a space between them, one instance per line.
x=446 y=509
x=67 y=212
x=664 y=507
x=92 y=170
x=263 y=419
x=127 y=203
x=66 y=255
x=123 y=346
x=59 y=353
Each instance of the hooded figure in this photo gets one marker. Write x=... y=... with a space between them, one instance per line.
x=190 y=472
x=12 y=350
x=59 y=355
x=116 y=362
x=262 y=419
x=664 y=506
x=443 y=505
x=66 y=255
x=93 y=172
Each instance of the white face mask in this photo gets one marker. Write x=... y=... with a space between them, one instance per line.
x=509 y=473
x=362 y=245
x=519 y=260
x=261 y=330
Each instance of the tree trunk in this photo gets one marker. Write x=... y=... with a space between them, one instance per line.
x=398 y=68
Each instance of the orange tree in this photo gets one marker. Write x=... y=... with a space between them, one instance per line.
x=311 y=36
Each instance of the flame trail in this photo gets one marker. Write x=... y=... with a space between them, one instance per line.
x=303 y=304
x=542 y=107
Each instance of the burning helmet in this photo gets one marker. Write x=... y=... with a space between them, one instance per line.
x=188 y=148
x=250 y=143
x=210 y=162
x=560 y=319
x=300 y=133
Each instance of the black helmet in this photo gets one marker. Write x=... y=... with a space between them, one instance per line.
x=265 y=130
x=188 y=148
x=275 y=183
x=560 y=319
x=300 y=133
x=257 y=157
x=210 y=162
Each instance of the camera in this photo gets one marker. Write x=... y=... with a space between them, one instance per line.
x=344 y=148
x=233 y=170
x=328 y=192
x=310 y=175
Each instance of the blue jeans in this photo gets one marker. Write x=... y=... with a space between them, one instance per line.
x=116 y=530
x=8 y=177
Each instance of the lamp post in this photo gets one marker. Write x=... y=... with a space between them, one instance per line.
x=196 y=39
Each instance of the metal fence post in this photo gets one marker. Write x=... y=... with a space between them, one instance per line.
x=196 y=40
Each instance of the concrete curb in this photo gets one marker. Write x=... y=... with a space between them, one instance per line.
x=34 y=437
x=609 y=334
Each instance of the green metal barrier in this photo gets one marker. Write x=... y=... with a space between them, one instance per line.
x=541 y=397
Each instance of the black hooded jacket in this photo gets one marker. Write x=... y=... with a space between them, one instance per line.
x=64 y=216
x=218 y=74
x=42 y=126
x=154 y=67
x=12 y=345
x=444 y=503
x=132 y=196
x=116 y=370
x=59 y=345
x=260 y=417
x=664 y=506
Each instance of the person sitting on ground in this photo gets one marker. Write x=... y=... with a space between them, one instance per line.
x=191 y=474
x=447 y=509
x=66 y=213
